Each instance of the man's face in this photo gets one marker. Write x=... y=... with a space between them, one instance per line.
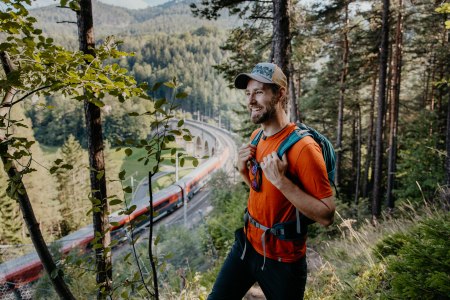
x=261 y=101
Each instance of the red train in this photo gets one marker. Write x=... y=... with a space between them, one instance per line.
x=26 y=269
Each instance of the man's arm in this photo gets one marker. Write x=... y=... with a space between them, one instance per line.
x=319 y=210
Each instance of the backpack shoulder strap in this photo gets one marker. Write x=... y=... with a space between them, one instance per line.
x=257 y=137
x=292 y=138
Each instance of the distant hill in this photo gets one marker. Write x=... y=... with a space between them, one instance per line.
x=167 y=41
x=171 y=17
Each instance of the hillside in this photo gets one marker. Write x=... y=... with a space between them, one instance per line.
x=167 y=42
x=171 y=17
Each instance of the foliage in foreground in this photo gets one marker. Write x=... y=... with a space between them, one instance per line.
x=402 y=258
x=418 y=261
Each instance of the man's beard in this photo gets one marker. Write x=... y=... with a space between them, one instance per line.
x=267 y=115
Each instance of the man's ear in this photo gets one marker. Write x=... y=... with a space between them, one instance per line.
x=282 y=93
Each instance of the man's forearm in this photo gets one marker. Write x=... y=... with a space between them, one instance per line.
x=321 y=211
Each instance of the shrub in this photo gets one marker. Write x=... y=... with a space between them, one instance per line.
x=419 y=261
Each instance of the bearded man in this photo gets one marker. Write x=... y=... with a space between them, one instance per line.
x=268 y=250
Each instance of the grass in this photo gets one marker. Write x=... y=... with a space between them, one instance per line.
x=347 y=267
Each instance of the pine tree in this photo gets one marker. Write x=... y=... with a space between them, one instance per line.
x=72 y=186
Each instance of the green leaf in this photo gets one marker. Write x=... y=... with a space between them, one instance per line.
x=157 y=239
x=182 y=162
x=133 y=114
x=74 y=5
x=104 y=78
x=58 y=161
x=115 y=202
x=97 y=102
x=67 y=166
x=169 y=84
x=160 y=102
x=53 y=170
x=180 y=123
x=181 y=95
x=195 y=161
x=176 y=132
x=128 y=151
x=100 y=174
x=131 y=209
x=122 y=175
x=187 y=138
x=126 y=257
x=156 y=86
x=128 y=189
x=97 y=246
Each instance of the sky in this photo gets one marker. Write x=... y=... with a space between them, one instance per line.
x=131 y=4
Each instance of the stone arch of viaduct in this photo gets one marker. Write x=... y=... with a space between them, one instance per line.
x=203 y=143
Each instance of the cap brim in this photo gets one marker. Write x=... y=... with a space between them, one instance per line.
x=241 y=81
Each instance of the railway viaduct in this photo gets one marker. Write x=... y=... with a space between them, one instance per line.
x=204 y=143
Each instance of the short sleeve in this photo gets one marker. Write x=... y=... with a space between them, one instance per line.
x=311 y=170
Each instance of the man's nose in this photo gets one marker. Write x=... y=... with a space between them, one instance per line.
x=251 y=98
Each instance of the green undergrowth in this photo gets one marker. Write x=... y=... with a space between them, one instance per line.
x=404 y=256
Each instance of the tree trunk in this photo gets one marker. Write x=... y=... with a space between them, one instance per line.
x=369 y=140
x=448 y=137
x=55 y=275
x=448 y=142
x=281 y=39
x=433 y=88
x=387 y=115
x=447 y=160
x=150 y=239
x=343 y=82
x=96 y=162
x=427 y=84
x=394 y=107
x=295 y=117
x=442 y=68
x=358 y=154
x=384 y=48
x=299 y=95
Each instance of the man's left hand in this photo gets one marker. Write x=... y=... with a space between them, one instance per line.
x=274 y=169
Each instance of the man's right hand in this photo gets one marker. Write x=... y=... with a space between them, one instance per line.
x=246 y=152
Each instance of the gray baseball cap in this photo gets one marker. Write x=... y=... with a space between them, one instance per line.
x=262 y=72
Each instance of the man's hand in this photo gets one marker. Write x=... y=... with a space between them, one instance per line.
x=246 y=152
x=274 y=169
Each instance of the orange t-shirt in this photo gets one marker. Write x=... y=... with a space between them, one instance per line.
x=269 y=206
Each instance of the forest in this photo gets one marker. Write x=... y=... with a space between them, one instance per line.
x=372 y=76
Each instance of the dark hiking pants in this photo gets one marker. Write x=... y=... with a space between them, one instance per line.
x=278 y=280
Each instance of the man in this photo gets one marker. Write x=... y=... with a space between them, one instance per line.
x=279 y=189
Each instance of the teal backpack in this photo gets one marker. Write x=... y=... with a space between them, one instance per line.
x=329 y=156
